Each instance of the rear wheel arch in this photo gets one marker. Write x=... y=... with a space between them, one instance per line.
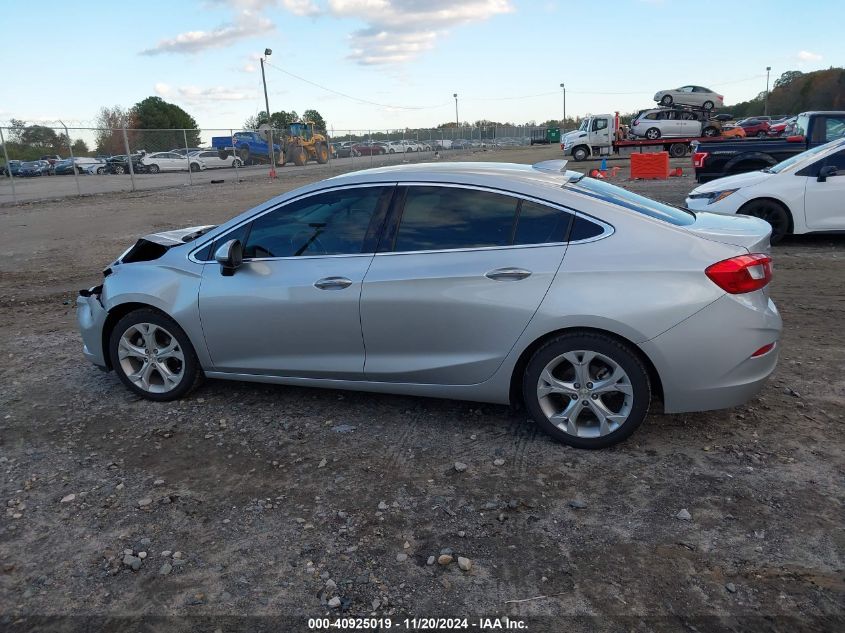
x=528 y=352
x=748 y=162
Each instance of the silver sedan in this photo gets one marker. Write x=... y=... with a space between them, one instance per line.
x=478 y=281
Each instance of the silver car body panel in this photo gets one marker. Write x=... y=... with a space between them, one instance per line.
x=430 y=323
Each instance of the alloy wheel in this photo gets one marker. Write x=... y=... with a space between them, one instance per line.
x=151 y=358
x=585 y=394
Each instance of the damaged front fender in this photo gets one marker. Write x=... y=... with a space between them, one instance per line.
x=91 y=317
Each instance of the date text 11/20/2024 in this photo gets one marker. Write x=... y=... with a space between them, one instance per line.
x=417 y=624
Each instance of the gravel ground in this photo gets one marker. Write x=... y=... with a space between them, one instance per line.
x=254 y=507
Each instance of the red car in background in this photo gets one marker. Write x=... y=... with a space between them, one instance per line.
x=368 y=149
x=755 y=127
x=779 y=128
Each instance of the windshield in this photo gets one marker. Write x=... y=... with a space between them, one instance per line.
x=585 y=125
x=624 y=198
x=794 y=163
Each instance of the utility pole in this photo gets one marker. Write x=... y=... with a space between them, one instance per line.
x=563 y=124
x=457 y=121
x=766 y=102
x=270 y=152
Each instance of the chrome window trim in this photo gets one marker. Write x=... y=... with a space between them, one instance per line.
x=607 y=229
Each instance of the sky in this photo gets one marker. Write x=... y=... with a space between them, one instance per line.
x=379 y=64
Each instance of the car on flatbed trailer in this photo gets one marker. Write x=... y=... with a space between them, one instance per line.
x=601 y=135
x=717 y=158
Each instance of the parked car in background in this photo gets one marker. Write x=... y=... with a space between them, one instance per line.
x=368 y=149
x=690 y=95
x=729 y=131
x=51 y=158
x=755 y=126
x=399 y=147
x=12 y=169
x=461 y=143
x=170 y=161
x=212 y=159
x=80 y=164
x=802 y=194
x=119 y=164
x=779 y=128
x=293 y=292
x=342 y=149
x=190 y=150
x=670 y=122
x=32 y=168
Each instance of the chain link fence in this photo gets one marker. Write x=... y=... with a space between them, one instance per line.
x=54 y=161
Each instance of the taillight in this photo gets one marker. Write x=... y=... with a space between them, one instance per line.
x=698 y=159
x=741 y=274
x=763 y=350
x=721 y=98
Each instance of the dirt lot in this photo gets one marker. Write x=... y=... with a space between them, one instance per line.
x=273 y=500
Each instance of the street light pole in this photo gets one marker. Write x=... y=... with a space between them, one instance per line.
x=766 y=102
x=563 y=123
x=270 y=153
x=457 y=121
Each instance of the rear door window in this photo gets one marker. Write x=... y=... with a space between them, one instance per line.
x=541 y=224
x=445 y=218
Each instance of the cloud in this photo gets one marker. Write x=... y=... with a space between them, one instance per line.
x=807 y=56
x=301 y=7
x=194 y=94
x=246 y=25
x=394 y=32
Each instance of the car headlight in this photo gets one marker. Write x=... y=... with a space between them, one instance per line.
x=713 y=196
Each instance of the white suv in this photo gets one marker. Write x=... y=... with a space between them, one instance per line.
x=667 y=122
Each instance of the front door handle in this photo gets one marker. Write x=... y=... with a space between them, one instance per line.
x=508 y=274
x=333 y=283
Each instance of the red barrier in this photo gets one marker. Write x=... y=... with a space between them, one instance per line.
x=653 y=166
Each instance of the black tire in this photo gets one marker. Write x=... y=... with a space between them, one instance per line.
x=192 y=374
x=391 y=151
x=710 y=131
x=195 y=167
x=613 y=349
x=666 y=100
x=299 y=157
x=708 y=105
x=243 y=154
x=322 y=153
x=236 y=163
x=677 y=150
x=153 y=169
x=580 y=153
x=119 y=169
x=762 y=134
x=652 y=134
x=101 y=170
x=773 y=212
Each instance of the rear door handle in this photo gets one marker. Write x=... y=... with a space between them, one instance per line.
x=508 y=274
x=333 y=283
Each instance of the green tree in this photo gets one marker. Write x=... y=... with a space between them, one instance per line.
x=788 y=77
x=316 y=119
x=80 y=148
x=154 y=113
x=109 y=136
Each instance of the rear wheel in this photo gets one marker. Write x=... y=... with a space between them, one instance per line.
x=587 y=390
x=710 y=131
x=299 y=157
x=153 y=356
x=652 y=133
x=677 y=150
x=119 y=169
x=236 y=163
x=322 y=153
x=243 y=154
x=761 y=134
x=772 y=212
x=195 y=167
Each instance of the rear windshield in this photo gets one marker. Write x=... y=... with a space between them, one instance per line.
x=640 y=204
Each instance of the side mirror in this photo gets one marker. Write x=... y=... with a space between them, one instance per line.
x=230 y=256
x=826 y=172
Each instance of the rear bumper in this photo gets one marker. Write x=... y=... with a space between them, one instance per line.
x=91 y=317
x=706 y=361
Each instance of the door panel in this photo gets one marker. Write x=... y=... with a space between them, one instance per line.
x=823 y=206
x=270 y=318
x=436 y=318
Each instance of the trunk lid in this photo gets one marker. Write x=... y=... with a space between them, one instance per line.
x=736 y=230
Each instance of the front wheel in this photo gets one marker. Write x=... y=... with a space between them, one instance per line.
x=677 y=150
x=772 y=212
x=762 y=134
x=710 y=131
x=392 y=151
x=586 y=390
x=153 y=356
x=153 y=169
x=195 y=167
x=580 y=153
x=322 y=153
x=236 y=163
x=101 y=170
x=708 y=105
x=666 y=100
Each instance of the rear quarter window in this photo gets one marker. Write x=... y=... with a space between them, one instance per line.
x=632 y=201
